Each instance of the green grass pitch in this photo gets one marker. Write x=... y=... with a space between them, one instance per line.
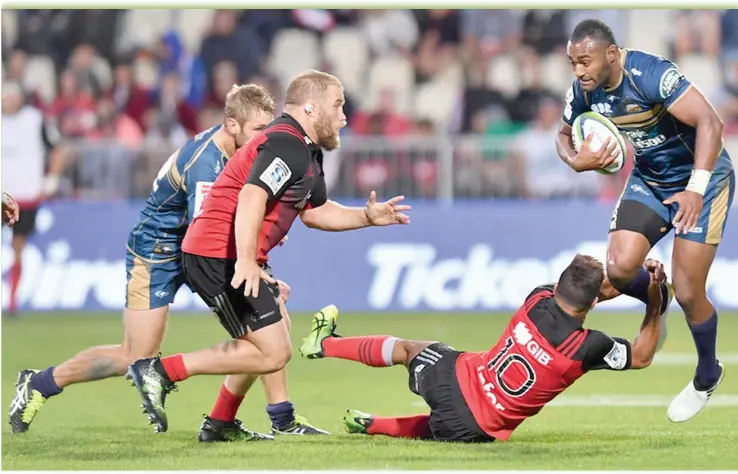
x=606 y=421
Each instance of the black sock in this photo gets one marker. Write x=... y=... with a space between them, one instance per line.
x=44 y=383
x=281 y=414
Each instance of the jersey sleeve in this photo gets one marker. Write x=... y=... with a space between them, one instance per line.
x=280 y=162
x=575 y=103
x=539 y=289
x=661 y=82
x=603 y=352
x=319 y=195
x=198 y=179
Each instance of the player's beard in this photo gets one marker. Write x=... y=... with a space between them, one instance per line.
x=328 y=138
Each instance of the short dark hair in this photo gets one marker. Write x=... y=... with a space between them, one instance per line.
x=580 y=283
x=594 y=29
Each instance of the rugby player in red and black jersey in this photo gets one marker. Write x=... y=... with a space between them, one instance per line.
x=268 y=183
x=483 y=396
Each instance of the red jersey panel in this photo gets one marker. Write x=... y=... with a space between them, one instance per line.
x=519 y=375
x=282 y=161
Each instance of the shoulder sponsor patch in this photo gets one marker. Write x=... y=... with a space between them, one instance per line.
x=669 y=82
x=276 y=175
x=618 y=356
x=201 y=192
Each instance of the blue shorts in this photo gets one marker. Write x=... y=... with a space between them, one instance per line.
x=641 y=209
x=151 y=284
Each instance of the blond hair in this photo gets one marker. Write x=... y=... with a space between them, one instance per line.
x=308 y=85
x=242 y=100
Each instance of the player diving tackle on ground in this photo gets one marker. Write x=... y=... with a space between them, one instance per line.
x=483 y=396
x=683 y=180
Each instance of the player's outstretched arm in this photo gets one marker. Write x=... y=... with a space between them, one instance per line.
x=334 y=217
x=644 y=347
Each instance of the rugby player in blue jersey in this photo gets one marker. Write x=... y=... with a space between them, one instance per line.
x=154 y=273
x=683 y=180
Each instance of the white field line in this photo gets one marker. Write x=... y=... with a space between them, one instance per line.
x=728 y=358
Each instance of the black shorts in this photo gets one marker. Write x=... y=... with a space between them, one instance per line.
x=433 y=377
x=26 y=225
x=211 y=279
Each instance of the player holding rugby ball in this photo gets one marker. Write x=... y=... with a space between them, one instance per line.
x=683 y=179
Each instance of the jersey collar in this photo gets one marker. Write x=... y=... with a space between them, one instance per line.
x=563 y=315
x=289 y=118
x=315 y=150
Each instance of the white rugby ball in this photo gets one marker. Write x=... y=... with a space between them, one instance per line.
x=602 y=128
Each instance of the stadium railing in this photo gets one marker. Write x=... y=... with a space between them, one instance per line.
x=438 y=168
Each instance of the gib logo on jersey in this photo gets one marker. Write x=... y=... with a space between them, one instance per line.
x=525 y=338
x=276 y=175
x=602 y=108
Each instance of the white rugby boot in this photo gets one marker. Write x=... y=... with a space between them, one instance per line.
x=691 y=401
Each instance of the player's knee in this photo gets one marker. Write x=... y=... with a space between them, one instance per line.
x=688 y=295
x=621 y=268
x=277 y=357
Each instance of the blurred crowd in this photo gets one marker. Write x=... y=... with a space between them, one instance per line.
x=467 y=102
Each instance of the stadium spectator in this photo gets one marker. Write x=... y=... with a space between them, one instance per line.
x=173 y=58
x=540 y=174
x=226 y=43
x=696 y=31
x=169 y=86
x=127 y=95
x=74 y=107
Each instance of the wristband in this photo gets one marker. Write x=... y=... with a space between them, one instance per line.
x=698 y=181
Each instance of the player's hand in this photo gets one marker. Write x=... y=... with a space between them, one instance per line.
x=688 y=214
x=588 y=160
x=656 y=268
x=11 y=211
x=386 y=213
x=250 y=272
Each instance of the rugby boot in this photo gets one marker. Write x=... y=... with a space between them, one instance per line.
x=322 y=327
x=213 y=430
x=692 y=399
x=152 y=383
x=299 y=427
x=26 y=403
x=357 y=422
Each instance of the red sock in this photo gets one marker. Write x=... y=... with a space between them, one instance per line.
x=226 y=406
x=15 y=274
x=175 y=368
x=374 y=351
x=401 y=427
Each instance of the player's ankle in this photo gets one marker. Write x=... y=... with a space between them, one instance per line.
x=44 y=382
x=281 y=414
